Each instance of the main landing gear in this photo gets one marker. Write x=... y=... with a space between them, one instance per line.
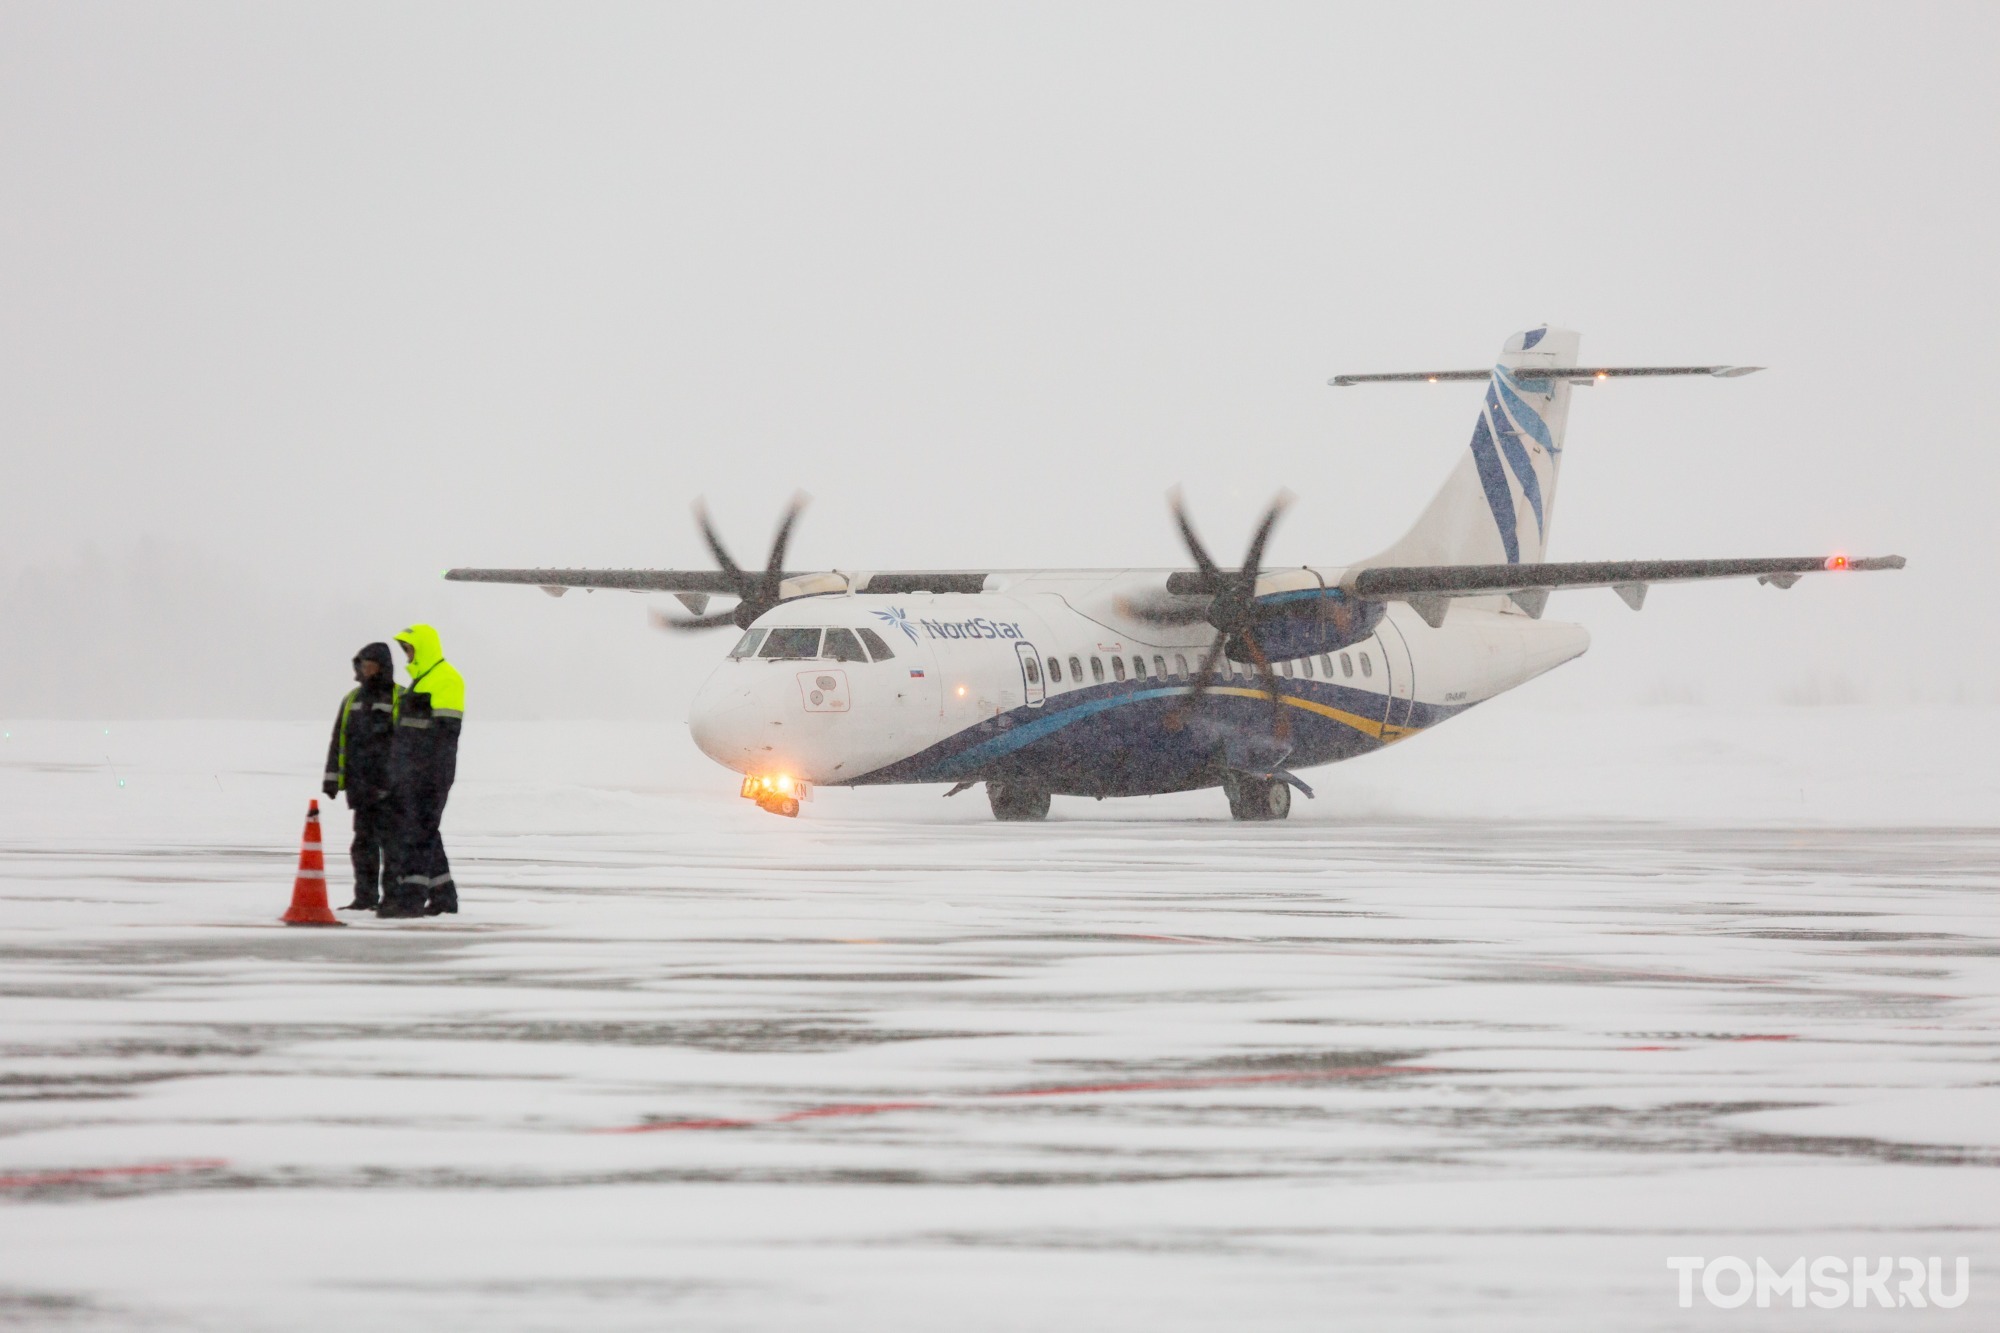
x=1257 y=798
x=1011 y=801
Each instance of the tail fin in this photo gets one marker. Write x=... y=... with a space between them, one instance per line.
x=1497 y=504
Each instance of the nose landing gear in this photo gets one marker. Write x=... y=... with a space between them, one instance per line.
x=780 y=795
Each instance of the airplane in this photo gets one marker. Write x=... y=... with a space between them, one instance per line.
x=1136 y=682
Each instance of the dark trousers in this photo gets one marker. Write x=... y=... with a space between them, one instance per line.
x=374 y=838
x=421 y=871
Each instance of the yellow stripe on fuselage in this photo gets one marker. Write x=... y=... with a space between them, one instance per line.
x=1387 y=733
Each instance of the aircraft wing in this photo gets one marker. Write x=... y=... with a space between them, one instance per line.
x=558 y=581
x=693 y=587
x=1429 y=588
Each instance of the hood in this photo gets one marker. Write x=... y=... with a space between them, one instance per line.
x=425 y=649
x=378 y=653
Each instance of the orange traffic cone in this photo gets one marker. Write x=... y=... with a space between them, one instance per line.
x=309 y=905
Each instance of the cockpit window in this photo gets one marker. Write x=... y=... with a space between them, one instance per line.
x=789 y=645
x=747 y=645
x=875 y=644
x=842 y=646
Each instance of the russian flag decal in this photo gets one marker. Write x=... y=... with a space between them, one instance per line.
x=916 y=673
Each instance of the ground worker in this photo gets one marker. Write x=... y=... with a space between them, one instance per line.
x=357 y=762
x=423 y=760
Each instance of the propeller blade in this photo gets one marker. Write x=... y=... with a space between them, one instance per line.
x=774 y=568
x=1195 y=548
x=679 y=624
x=1255 y=561
x=1281 y=726
x=1163 y=610
x=1204 y=676
x=718 y=550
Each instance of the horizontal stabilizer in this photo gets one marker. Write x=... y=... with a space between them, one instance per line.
x=1574 y=374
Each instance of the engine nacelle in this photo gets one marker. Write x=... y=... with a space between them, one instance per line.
x=1309 y=621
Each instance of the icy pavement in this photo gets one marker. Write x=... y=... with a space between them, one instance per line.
x=1472 y=1043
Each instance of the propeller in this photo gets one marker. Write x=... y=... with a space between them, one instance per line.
x=756 y=593
x=1232 y=608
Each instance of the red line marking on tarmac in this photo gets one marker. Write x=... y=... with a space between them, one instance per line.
x=35 y=1180
x=1649 y=1048
x=1056 y=1090
x=1766 y=1036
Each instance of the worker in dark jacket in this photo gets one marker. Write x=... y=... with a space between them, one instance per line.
x=357 y=762
x=423 y=761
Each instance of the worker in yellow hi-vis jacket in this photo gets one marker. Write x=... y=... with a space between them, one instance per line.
x=423 y=761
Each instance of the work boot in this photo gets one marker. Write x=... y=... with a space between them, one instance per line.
x=399 y=907
x=362 y=903
x=442 y=901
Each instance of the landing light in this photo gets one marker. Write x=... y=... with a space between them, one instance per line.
x=961 y=691
x=1601 y=376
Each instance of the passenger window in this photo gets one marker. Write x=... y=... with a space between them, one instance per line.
x=1097 y=669
x=1034 y=670
x=791 y=645
x=1055 y=671
x=1138 y=668
x=1180 y=666
x=1326 y=666
x=842 y=646
x=1118 y=667
x=1367 y=667
x=1346 y=665
x=1285 y=670
x=1306 y=667
x=875 y=645
x=1076 y=671
x=747 y=645
x=1159 y=666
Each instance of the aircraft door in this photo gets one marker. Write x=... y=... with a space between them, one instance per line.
x=1401 y=686
x=1033 y=688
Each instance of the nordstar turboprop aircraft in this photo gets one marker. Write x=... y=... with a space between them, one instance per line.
x=1134 y=682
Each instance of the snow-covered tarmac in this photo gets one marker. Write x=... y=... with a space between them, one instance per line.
x=1479 y=1039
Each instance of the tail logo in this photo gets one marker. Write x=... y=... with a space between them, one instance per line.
x=1497 y=436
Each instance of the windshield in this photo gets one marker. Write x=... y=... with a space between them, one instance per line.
x=791 y=644
x=842 y=646
x=747 y=645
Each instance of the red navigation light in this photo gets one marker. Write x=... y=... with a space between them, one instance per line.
x=1836 y=562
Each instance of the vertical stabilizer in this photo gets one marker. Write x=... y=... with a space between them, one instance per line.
x=1498 y=502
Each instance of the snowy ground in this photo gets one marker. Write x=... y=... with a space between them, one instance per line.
x=1478 y=1039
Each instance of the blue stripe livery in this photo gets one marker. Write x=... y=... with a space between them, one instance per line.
x=1517 y=458
x=1498 y=497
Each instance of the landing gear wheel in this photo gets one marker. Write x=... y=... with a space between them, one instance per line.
x=789 y=807
x=1013 y=802
x=1258 y=798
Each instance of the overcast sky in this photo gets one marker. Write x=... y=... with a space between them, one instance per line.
x=301 y=304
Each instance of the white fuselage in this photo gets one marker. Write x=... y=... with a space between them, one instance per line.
x=1043 y=680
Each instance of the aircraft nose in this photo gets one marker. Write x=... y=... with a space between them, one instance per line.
x=725 y=721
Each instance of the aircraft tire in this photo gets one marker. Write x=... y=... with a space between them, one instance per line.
x=1259 y=798
x=1013 y=803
